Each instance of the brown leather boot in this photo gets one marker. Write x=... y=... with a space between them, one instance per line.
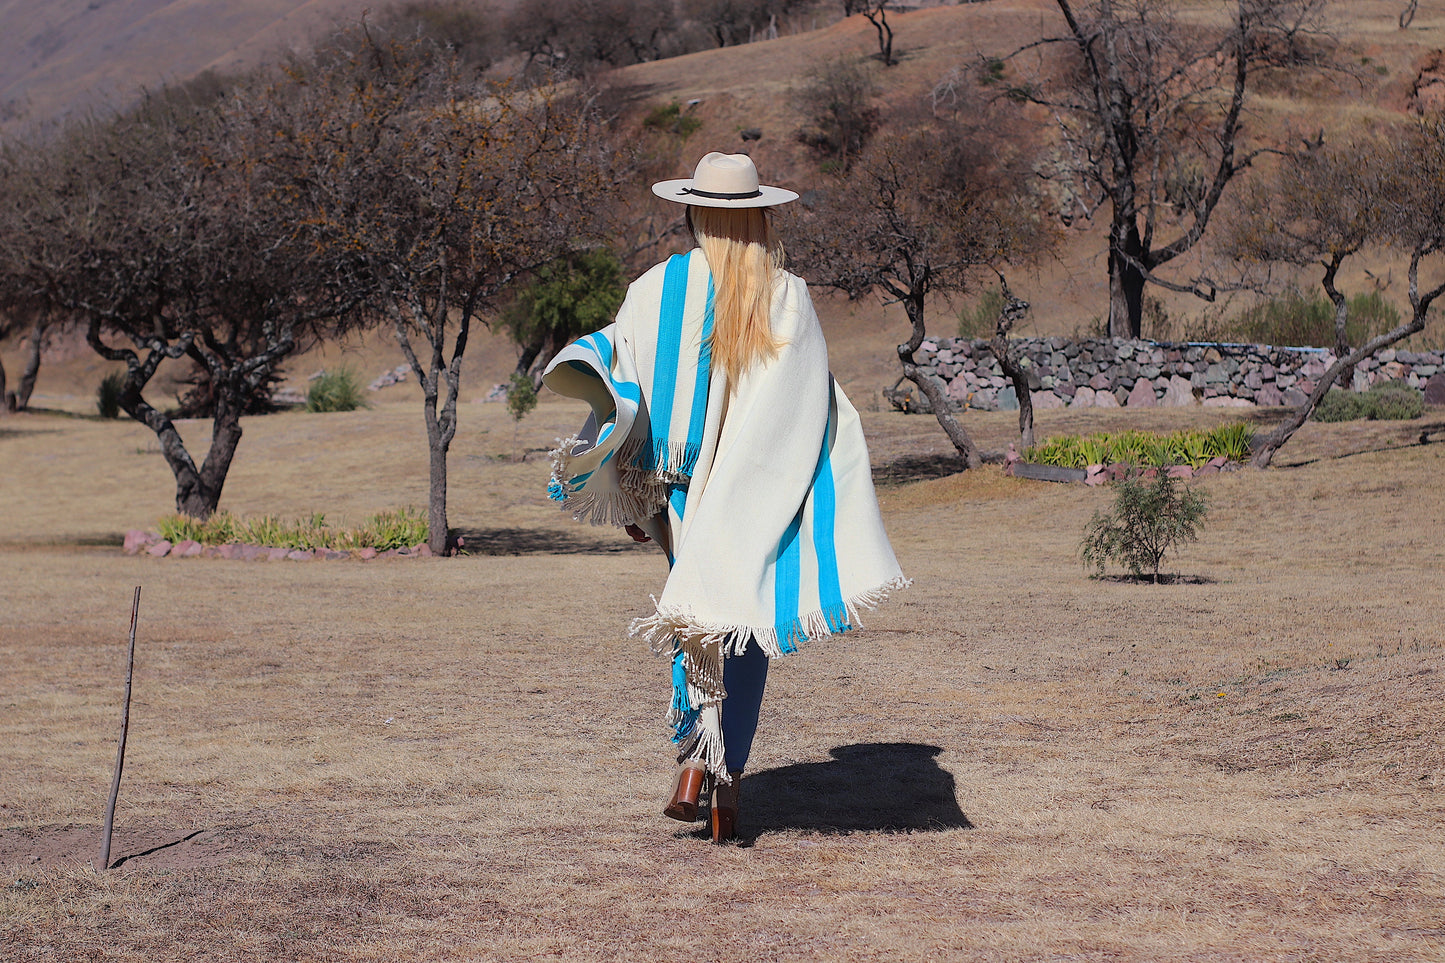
x=683 y=804
x=725 y=800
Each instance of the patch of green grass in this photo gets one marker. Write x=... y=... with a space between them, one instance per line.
x=1190 y=446
x=401 y=528
x=1296 y=318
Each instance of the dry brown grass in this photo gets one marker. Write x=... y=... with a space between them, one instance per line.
x=463 y=759
x=426 y=760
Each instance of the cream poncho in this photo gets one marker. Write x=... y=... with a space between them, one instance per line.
x=761 y=496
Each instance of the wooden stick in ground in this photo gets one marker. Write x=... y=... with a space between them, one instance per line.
x=120 y=750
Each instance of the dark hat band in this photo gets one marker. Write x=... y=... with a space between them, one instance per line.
x=719 y=196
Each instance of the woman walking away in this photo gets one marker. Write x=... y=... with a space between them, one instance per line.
x=717 y=430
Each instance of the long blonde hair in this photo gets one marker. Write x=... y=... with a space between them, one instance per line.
x=745 y=258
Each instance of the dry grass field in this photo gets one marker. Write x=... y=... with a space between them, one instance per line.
x=464 y=759
x=427 y=759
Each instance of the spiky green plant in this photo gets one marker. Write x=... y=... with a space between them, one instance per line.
x=1192 y=447
x=338 y=390
x=392 y=529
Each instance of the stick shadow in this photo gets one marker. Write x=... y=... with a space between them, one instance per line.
x=878 y=787
x=155 y=849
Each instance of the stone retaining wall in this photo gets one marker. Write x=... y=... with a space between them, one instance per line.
x=1108 y=373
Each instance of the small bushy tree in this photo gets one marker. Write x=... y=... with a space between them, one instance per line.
x=574 y=295
x=521 y=399
x=1147 y=521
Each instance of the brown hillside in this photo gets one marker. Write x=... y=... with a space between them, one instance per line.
x=749 y=86
x=63 y=55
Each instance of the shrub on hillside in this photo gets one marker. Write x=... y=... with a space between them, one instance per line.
x=338 y=390
x=671 y=119
x=980 y=319
x=836 y=98
x=107 y=396
x=1392 y=401
x=1294 y=318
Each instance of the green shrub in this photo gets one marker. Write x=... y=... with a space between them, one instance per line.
x=1339 y=405
x=521 y=396
x=1147 y=521
x=671 y=119
x=1234 y=441
x=107 y=396
x=1391 y=401
x=338 y=390
x=980 y=319
x=1394 y=401
x=566 y=298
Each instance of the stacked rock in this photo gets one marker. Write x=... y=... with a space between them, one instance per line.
x=1109 y=373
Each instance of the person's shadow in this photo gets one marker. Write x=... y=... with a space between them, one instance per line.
x=883 y=787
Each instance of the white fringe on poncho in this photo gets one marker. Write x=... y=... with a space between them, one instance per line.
x=762 y=497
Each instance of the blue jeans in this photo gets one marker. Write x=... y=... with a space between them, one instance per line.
x=743 y=677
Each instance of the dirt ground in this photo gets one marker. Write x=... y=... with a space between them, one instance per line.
x=429 y=759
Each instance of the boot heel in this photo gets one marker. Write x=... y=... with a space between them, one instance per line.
x=683 y=805
x=725 y=801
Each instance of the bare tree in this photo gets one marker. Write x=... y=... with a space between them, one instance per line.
x=164 y=233
x=22 y=306
x=1151 y=115
x=877 y=13
x=1326 y=204
x=731 y=22
x=575 y=36
x=448 y=190
x=1011 y=311
x=837 y=97
x=924 y=211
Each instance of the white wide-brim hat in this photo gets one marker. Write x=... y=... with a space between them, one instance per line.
x=723 y=180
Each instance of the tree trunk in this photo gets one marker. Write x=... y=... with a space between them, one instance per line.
x=1264 y=454
x=878 y=16
x=441 y=425
x=190 y=489
x=1012 y=311
x=1126 y=281
x=32 y=365
x=932 y=388
x=202 y=498
x=1342 y=315
x=7 y=398
x=436 y=503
